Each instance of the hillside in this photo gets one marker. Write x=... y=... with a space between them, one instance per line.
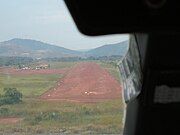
x=36 y=49
x=33 y=48
x=109 y=50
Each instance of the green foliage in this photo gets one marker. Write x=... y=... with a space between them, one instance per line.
x=4 y=112
x=11 y=96
x=105 y=58
x=10 y=61
x=52 y=116
x=56 y=116
x=62 y=59
x=60 y=64
x=111 y=66
x=77 y=59
x=109 y=50
x=29 y=85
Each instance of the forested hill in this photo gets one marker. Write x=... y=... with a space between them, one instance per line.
x=109 y=50
x=33 y=48
x=36 y=49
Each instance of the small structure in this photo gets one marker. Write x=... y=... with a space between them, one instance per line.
x=45 y=66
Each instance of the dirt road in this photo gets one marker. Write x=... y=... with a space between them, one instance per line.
x=85 y=82
x=10 y=120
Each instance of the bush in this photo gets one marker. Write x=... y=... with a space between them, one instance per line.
x=4 y=111
x=11 y=96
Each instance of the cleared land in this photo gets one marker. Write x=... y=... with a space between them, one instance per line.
x=87 y=82
x=11 y=120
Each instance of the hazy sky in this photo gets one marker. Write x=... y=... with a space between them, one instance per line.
x=48 y=21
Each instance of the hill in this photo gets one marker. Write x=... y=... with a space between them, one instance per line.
x=33 y=48
x=109 y=50
x=36 y=49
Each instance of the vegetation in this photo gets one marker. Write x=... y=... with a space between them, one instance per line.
x=105 y=58
x=109 y=50
x=47 y=117
x=76 y=59
x=59 y=117
x=11 y=96
x=10 y=61
x=29 y=85
x=61 y=64
x=54 y=116
x=35 y=49
x=63 y=59
x=111 y=66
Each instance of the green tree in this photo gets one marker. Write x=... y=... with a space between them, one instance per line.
x=11 y=96
x=49 y=65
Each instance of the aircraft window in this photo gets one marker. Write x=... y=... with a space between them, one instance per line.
x=53 y=80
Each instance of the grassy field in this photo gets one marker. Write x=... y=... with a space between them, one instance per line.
x=61 y=64
x=29 y=85
x=111 y=67
x=53 y=116
x=67 y=117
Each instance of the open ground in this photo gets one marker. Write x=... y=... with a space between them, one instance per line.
x=48 y=100
x=86 y=81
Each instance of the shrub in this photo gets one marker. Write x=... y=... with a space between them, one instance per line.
x=4 y=111
x=11 y=96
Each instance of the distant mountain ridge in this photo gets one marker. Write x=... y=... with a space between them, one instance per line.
x=33 y=48
x=38 y=49
x=109 y=50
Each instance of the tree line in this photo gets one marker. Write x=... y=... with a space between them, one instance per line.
x=14 y=60
x=69 y=59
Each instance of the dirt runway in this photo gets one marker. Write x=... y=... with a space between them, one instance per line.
x=85 y=82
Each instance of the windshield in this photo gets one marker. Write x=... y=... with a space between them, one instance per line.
x=53 y=79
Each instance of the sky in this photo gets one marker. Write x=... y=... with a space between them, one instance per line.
x=47 y=21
